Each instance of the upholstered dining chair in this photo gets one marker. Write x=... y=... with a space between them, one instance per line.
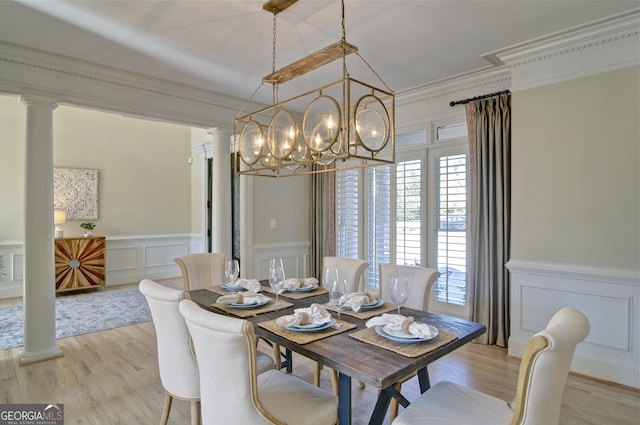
x=231 y=390
x=176 y=361
x=202 y=270
x=543 y=374
x=177 y=364
x=421 y=279
x=351 y=270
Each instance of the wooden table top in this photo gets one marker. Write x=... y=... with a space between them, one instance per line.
x=359 y=360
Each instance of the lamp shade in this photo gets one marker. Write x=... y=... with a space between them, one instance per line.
x=59 y=217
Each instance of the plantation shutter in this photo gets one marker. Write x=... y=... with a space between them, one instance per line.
x=347 y=213
x=408 y=213
x=379 y=220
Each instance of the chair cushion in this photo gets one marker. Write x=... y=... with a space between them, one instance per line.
x=447 y=403
x=293 y=400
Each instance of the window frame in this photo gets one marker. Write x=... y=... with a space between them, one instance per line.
x=423 y=145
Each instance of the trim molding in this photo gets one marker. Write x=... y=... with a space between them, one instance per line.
x=603 y=46
x=610 y=298
x=129 y=259
x=86 y=84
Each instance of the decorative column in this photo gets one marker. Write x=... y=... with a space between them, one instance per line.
x=39 y=276
x=221 y=192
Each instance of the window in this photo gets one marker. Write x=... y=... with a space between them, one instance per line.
x=451 y=236
x=411 y=213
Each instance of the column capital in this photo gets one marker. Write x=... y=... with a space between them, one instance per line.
x=32 y=99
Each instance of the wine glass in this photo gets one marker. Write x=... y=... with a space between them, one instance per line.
x=337 y=293
x=399 y=290
x=231 y=271
x=329 y=276
x=276 y=276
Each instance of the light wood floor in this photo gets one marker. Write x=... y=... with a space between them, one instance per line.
x=111 y=377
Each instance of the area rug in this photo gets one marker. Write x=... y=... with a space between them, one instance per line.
x=80 y=314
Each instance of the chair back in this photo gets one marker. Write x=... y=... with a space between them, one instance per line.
x=228 y=345
x=349 y=269
x=176 y=361
x=202 y=270
x=545 y=366
x=421 y=279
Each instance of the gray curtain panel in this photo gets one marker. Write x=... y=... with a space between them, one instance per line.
x=489 y=123
x=321 y=220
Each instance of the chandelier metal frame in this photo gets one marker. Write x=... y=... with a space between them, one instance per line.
x=347 y=123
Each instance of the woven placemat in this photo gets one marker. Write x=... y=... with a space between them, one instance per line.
x=300 y=295
x=305 y=337
x=417 y=349
x=364 y=314
x=250 y=312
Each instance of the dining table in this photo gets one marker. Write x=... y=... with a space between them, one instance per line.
x=354 y=350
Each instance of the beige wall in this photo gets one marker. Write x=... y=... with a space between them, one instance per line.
x=287 y=201
x=12 y=136
x=144 y=177
x=575 y=172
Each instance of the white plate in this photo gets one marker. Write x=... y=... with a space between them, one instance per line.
x=305 y=289
x=249 y=305
x=315 y=328
x=380 y=330
x=377 y=303
x=309 y=326
x=230 y=288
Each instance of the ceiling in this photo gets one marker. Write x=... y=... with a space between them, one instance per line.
x=226 y=46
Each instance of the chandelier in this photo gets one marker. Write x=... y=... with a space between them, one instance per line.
x=347 y=123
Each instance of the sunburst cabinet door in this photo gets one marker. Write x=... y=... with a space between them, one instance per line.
x=79 y=263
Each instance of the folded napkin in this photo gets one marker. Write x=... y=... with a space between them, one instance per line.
x=355 y=300
x=242 y=298
x=313 y=315
x=398 y=322
x=251 y=285
x=292 y=284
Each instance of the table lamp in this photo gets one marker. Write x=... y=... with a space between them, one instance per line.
x=59 y=217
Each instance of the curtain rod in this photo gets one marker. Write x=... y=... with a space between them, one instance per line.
x=461 y=102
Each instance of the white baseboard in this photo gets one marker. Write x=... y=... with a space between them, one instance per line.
x=609 y=298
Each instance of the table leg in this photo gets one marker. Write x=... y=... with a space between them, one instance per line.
x=382 y=404
x=289 y=362
x=344 y=399
x=423 y=379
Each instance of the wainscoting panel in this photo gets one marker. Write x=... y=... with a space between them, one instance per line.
x=129 y=259
x=609 y=298
x=294 y=258
x=122 y=258
x=12 y=274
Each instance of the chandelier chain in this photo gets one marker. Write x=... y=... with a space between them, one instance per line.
x=344 y=31
x=273 y=55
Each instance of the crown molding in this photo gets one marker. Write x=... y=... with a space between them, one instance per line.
x=468 y=85
x=81 y=83
x=606 y=45
x=601 y=46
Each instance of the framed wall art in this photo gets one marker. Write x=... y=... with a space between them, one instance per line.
x=75 y=191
